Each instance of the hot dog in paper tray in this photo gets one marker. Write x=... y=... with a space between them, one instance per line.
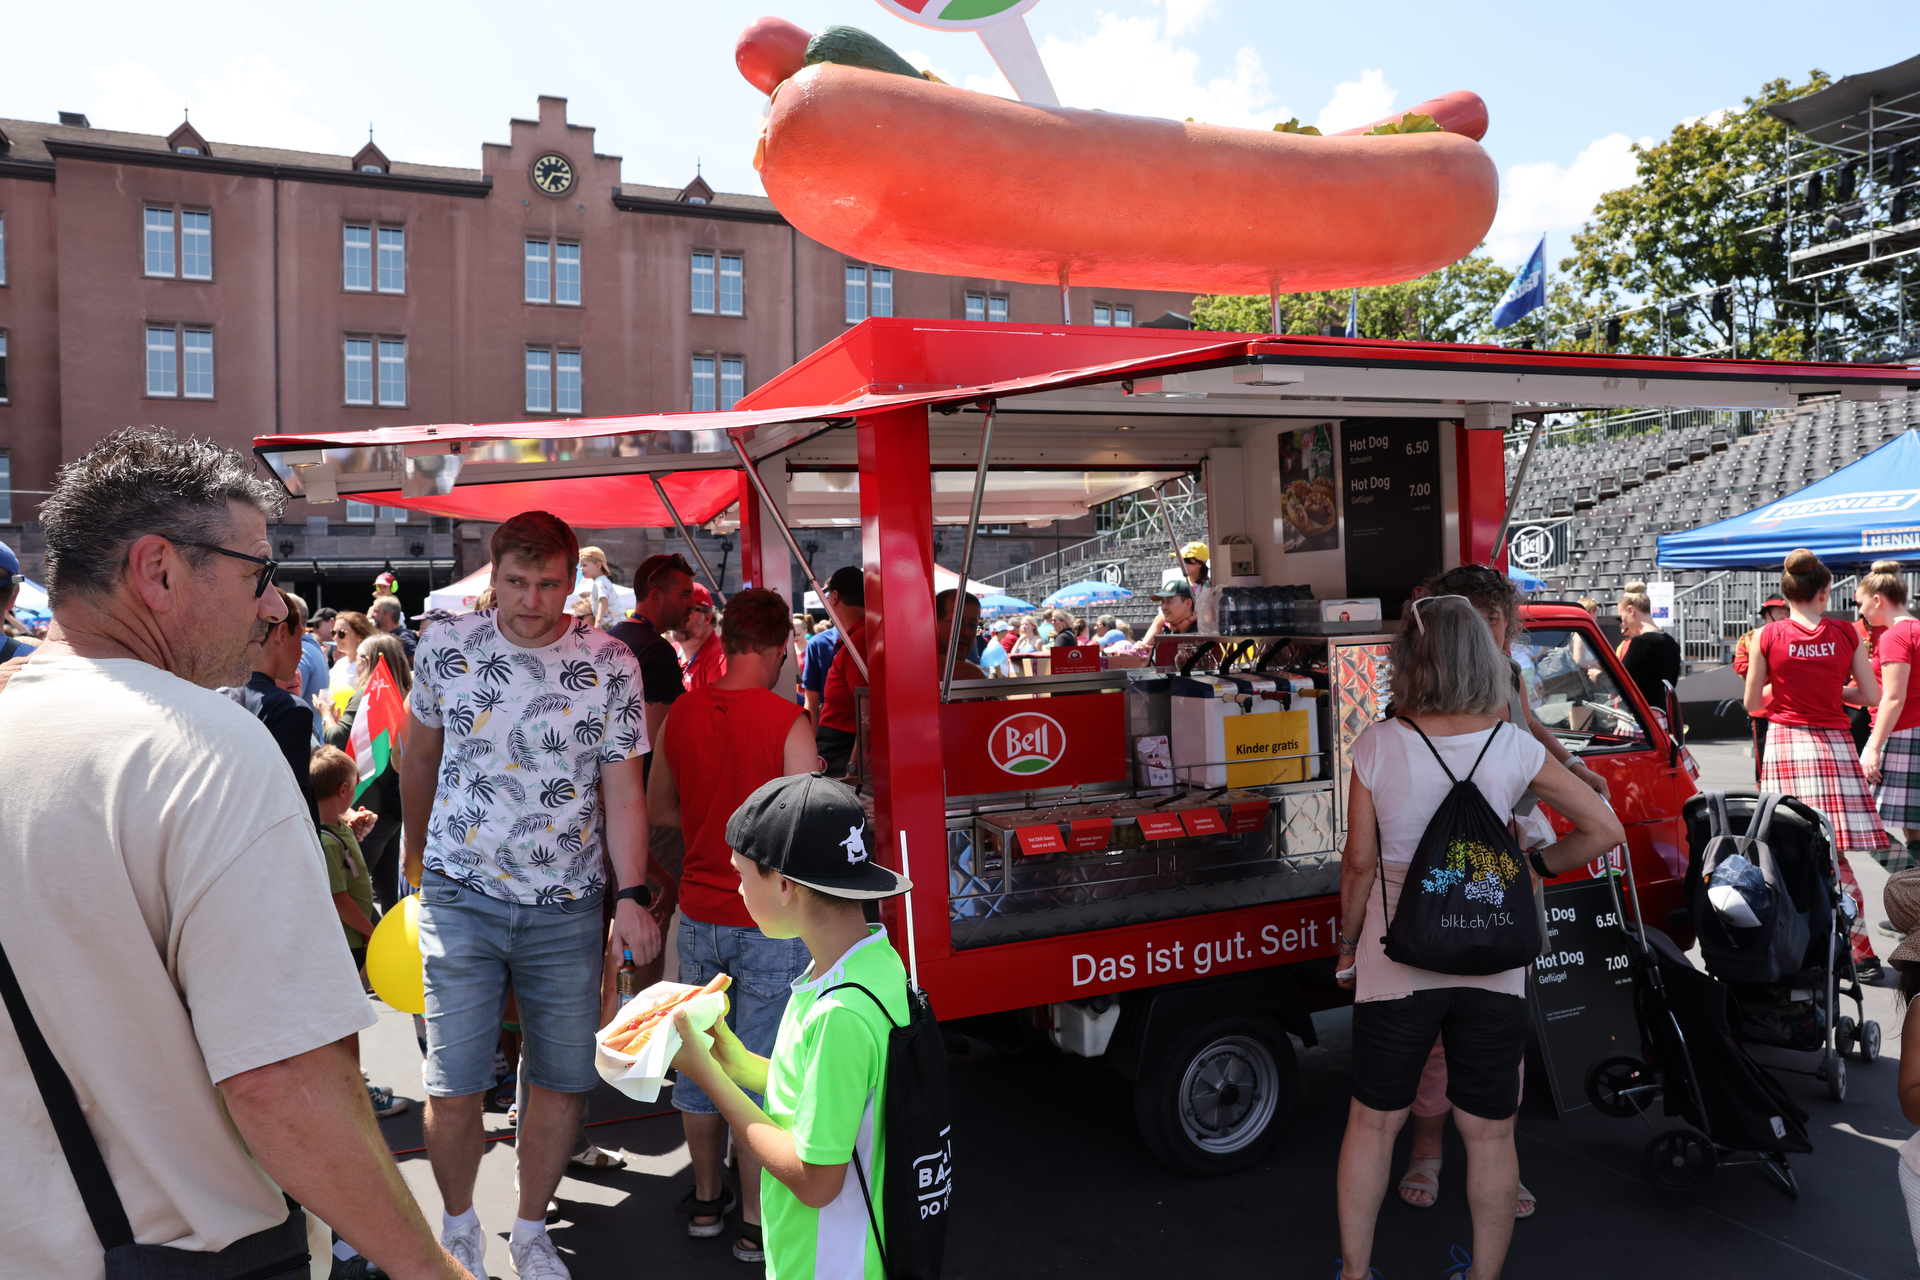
x=882 y=162
x=633 y=1051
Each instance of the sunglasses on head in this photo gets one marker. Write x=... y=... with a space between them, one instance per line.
x=267 y=567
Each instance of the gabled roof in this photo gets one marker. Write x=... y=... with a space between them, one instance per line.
x=30 y=138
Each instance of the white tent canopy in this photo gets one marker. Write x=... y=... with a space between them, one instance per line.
x=458 y=597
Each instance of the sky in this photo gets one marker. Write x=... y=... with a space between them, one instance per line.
x=1570 y=89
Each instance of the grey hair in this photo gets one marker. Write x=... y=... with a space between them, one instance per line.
x=387 y=604
x=1448 y=664
x=136 y=482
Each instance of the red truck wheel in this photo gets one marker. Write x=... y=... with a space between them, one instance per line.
x=1220 y=1095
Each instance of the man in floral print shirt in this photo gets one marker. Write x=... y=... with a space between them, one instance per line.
x=522 y=758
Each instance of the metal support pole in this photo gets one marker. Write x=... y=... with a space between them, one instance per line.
x=966 y=554
x=1520 y=479
x=799 y=556
x=688 y=539
x=1066 y=300
x=1160 y=492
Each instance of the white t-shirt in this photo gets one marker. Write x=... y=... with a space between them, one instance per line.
x=164 y=903
x=1408 y=786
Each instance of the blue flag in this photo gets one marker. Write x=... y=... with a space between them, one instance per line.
x=1528 y=290
x=1353 y=315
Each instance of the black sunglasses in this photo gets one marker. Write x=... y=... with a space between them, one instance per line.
x=266 y=570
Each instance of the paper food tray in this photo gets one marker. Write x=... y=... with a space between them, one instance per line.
x=641 y=1076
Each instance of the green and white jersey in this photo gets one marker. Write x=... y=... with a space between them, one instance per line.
x=826 y=1084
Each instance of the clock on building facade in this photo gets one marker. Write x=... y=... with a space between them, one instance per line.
x=552 y=175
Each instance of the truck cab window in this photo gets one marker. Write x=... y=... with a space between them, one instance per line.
x=1575 y=694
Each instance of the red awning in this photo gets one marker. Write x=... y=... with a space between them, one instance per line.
x=588 y=502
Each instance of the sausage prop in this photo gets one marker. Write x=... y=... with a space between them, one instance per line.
x=927 y=177
x=1461 y=111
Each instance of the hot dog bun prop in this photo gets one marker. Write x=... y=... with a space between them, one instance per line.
x=633 y=1051
x=890 y=166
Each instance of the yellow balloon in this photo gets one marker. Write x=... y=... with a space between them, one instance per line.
x=394 y=963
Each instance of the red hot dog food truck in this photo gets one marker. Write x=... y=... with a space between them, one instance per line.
x=1147 y=857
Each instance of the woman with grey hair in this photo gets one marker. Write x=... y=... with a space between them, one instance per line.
x=1450 y=685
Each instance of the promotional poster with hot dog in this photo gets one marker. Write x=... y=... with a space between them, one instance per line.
x=864 y=153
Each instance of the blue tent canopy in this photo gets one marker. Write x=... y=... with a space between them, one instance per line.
x=1863 y=512
x=1523 y=580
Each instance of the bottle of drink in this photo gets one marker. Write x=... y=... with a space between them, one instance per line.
x=1230 y=611
x=626 y=979
x=1262 y=612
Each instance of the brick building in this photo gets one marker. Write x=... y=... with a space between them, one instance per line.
x=227 y=291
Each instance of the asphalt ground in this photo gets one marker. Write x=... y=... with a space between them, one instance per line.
x=1051 y=1178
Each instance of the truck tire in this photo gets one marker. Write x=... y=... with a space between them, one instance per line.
x=1219 y=1097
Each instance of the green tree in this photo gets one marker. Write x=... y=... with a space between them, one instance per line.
x=1454 y=304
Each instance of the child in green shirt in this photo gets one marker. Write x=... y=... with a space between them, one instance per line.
x=800 y=845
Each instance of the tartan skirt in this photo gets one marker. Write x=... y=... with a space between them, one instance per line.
x=1819 y=766
x=1898 y=794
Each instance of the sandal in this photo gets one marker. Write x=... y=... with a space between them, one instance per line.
x=717 y=1209
x=749 y=1246
x=1429 y=1170
x=597 y=1158
x=1527 y=1206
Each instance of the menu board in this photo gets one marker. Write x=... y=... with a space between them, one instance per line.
x=1392 y=502
x=1580 y=990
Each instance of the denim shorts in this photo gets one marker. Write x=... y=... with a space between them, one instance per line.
x=474 y=947
x=763 y=969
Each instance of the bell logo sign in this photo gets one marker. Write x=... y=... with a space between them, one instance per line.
x=1026 y=744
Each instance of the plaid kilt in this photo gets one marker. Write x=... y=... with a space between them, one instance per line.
x=1898 y=794
x=1819 y=766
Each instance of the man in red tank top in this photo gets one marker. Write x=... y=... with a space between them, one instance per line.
x=720 y=742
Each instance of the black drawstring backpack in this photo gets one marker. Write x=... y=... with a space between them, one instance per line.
x=1466 y=906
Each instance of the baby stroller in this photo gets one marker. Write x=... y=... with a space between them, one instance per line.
x=1789 y=974
x=1685 y=1019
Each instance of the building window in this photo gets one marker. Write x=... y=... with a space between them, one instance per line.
x=702 y=284
x=159 y=242
x=162 y=371
x=6 y=484
x=976 y=306
x=539 y=286
x=703 y=391
x=732 y=286
x=3 y=248
x=367 y=513
x=1123 y=317
x=997 y=308
x=566 y=382
x=1102 y=313
x=179 y=362
x=856 y=294
x=566 y=274
x=196 y=245
x=882 y=291
x=6 y=397
x=393 y=260
x=359 y=371
x=196 y=365
x=539 y=380
x=393 y=371
x=1108 y=314
x=356 y=258
x=733 y=381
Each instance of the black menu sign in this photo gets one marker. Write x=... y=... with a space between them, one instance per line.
x=1392 y=503
x=1581 y=990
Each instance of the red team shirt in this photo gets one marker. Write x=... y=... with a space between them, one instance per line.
x=706 y=666
x=1897 y=643
x=1807 y=670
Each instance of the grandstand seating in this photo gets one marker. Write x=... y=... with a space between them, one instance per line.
x=1622 y=494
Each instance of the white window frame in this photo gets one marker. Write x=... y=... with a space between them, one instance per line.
x=196 y=362
x=1102 y=314
x=566 y=381
x=701 y=285
x=157 y=237
x=856 y=293
x=706 y=389
x=733 y=379
x=567 y=279
x=539 y=271
x=203 y=259
x=166 y=351
x=6 y=483
x=539 y=377
x=880 y=291
x=6 y=387
x=976 y=306
x=1122 y=317
x=3 y=247
x=364 y=359
x=349 y=249
x=391 y=354
x=997 y=308
x=732 y=294
x=367 y=513
x=392 y=280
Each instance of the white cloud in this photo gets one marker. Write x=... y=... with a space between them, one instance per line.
x=1545 y=198
x=1132 y=65
x=1185 y=15
x=250 y=101
x=1356 y=102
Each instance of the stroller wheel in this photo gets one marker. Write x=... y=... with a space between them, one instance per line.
x=1844 y=1032
x=1833 y=1069
x=1613 y=1086
x=1869 y=1042
x=1679 y=1160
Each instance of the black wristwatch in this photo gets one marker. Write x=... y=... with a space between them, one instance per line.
x=1539 y=864
x=640 y=893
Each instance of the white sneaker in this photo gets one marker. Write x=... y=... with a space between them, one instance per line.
x=468 y=1245
x=535 y=1258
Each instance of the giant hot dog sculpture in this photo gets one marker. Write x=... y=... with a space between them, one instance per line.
x=905 y=171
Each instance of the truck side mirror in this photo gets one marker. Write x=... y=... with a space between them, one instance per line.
x=1676 y=731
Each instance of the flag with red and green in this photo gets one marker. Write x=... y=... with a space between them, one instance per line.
x=379 y=730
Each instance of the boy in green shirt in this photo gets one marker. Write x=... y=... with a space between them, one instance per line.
x=800 y=845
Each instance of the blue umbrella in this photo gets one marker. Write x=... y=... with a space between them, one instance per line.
x=999 y=604
x=1524 y=580
x=1087 y=591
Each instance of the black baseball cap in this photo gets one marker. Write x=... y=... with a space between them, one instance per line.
x=812 y=830
x=850 y=582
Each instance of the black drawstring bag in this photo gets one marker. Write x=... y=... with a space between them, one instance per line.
x=1466 y=906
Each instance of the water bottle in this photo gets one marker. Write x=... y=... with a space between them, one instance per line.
x=1262 y=620
x=1230 y=611
x=627 y=978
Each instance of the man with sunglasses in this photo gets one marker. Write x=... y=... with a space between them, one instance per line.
x=163 y=904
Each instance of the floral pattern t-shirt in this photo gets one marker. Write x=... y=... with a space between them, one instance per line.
x=516 y=812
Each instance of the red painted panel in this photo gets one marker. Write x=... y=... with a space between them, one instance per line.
x=1079 y=657
x=1483 y=492
x=1161 y=826
x=1247 y=815
x=992 y=746
x=1202 y=822
x=1086 y=835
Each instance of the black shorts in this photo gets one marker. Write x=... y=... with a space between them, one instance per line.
x=1485 y=1034
x=836 y=749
